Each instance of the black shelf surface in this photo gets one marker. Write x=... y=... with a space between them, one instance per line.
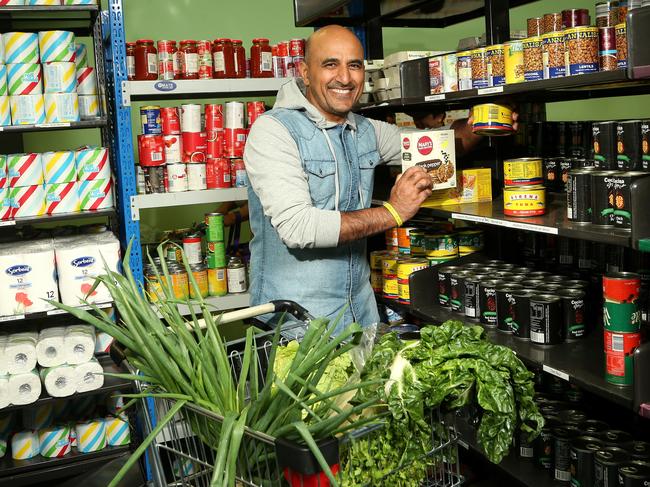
x=594 y=85
x=31 y=220
x=111 y=384
x=78 y=18
x=554 y=222
x=44 y=127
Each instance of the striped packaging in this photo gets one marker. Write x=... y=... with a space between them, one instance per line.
x=12 y=2
x=96 y=194
x=3 y=447
x=81 y=54
x=79 y=2
x=28 y=201
x=4 y=182
x=24 y=79
x=24 y=169
x=60 y=77
x=56 y=46
x=117 y=431
x=115 y=404
x=55 y=441
x=73 y=436
x=86 y=81
x=3 y=78
x=182 y=468
x=103 y=342
x=5 y=112
x=59 y=166
x=20 y=47
x=46 y=3
x=88 y=106
x=38 y=417
x=91 y=436
x=61 y=107
x=6 y=210
x=92 y=163
x=61 y=198
x=27 y=109
x=25 y=445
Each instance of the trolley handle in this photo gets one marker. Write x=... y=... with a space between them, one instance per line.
x=277 y=306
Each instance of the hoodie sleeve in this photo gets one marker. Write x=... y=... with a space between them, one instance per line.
x=277 y=177
x=388 y=140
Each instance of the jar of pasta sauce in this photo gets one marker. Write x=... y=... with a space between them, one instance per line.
x=189 y=60
x=223 y=59
x=204 y=51
x=240 y=58
x=146 y=60
x=130 y=60
x=261 y=59
x=166 y=59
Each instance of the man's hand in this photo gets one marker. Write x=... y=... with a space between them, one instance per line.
x=409 y=192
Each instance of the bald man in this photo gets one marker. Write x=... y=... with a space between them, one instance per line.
x=311 y=165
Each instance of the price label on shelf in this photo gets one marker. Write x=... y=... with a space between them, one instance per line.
x=52 y=125
x=555 y=372
x=491 y=90
x=435 y=97
x=505 y=223
x=7 y=223
x=56 y=312
x=11 y=318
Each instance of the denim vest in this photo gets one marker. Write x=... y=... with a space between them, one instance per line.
x=326 y=281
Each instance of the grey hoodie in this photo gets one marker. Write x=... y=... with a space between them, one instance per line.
x=276 y=174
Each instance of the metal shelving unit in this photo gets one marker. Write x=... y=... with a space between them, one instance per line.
x=164 y=200
x=46 y=314
x=99 y=122
x=30 y=220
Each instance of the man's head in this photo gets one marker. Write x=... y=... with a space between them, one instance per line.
x=333 y=71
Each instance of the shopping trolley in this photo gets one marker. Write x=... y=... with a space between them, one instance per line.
x=178 y=457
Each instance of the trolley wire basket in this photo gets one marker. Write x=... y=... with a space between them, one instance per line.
x=179 y=456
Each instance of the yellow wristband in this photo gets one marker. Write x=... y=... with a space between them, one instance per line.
x=393 y=212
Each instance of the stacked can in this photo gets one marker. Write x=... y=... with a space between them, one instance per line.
x=406 y=267
x=622 y=322
x=216 y=255
x=440 y=247
x=151 y=150
x=217 y=166
x=390 y=287
x=524 y=193
x=376 y=279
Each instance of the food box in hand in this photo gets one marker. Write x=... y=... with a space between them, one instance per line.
x=433 y=150
x=472 y=186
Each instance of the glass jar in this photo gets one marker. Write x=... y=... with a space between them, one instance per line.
x=146 y=60
x=167 y=59
x=130 y=60
x=189 y=60
x=239 y=58
x=261 y=59
x=223 y=59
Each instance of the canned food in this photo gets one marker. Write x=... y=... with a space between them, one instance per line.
x=522 y=172
x=514 y=61
x=170 y=121
x=606 y=464
x=635 y=474
x=533 y=59
x=407 y=267
x=546 y=320
x=449 y=73
x=196 y=177
x=154 y=179
x=204 y=52
x=464 y=64
x=552 y=22
x=376 y=257
x=628 y=145
x=607 y=51
x=390 y=287
x=491 y=119
x=552 y=174
x=150 y=120
x=457 y=290
x=553 y=55
x=151 y=150
x=488 y=302
x=579 y=196
x=621 y=46
x=520 y=312
x=602 y=209
x=433 y=261
x=172 y=148
x=535 y=26
x=583 y=451
x=404 y=239
x=216 y=256
x=176 y=178
x=470 y=240
x=604 y=139
x=496 y=70
x=200 y=275
x=441 y=245
x=615 y=437
x=640 y=450
x=214 y=227
x=192 y=249
x=444 y=284
x=179 y=281
x=389 y=265
x=238 y=174
x=575 y=17
x=623 y=198
x=543 y=446
x=562 y=437
x=505 y=306
x=573 y=309
x=403 y=291
x=236 y=276
x=167 y=59
x=524 y=201
x=621 y=287
x=217 y=282
x=582 y=50
x=376 y=281
x=417 y=243
x=619 y=357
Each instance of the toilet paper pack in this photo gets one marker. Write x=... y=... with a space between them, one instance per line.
x=6 y=210
x=60 y=381
x=90 y=376
x=86 y=81
x=61 y=198
x=27 y=109
x=117 y=431
x=24 y=79
x=50 y=351
x=27 y=201
x=20 y=352
x=92 y=163
x=55 y=441
x=59 y=167
x=4 y=180
x=24 y=388
x=91 y=436
x=25 y=445
x=79 y=344
x=56 y=46
x=3 y=357
x=5 y=111
x=60 y=77
x=24 y=169
x=81 y=55
x=61 y=107
x=103 y=342
x=88 y=107
x=20 y=47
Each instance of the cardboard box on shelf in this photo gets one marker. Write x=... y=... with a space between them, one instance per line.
x=396 y=58
x=435 y=151
x=472 y=186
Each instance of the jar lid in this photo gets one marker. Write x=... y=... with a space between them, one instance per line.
x=262 y=39
x=143 y=41
x=236 y=41
x=188 y=41
x=130 y=43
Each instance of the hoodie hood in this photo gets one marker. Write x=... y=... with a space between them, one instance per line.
x=291 y=96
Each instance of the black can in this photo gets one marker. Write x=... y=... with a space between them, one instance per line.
x=493 y=263
x=604 y=138
x=457 y=290
x=623 y=198
x=507 y=267
x=602 y=210
x=606 y=464
x=546 y=320
x=543 y=445
x=532 y=283
x=578 y=195
x=640 y=450
x=566 y=165
x=550 y=287
x=562 y=437
x=472 y=294
x=517 y=278
x=616 y=438
x=583 y=451
x=645 y=145
x=154 y=179
x=573 y=311
x=488 y=302
x=628 y=145
x=576 y=140
x=574 y=394
x=473 y=266
x=444 y=284
x=562 y=147
x=573 y=417
x=525 y=447
x=634 y=474
x=521 y=270
x=594 y=427
x=554 y=279
x=576 y=283
x=539 y=275
x=552 y=173
x=614 y=258
x=506 y=306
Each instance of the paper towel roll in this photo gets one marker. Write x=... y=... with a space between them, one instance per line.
x=55 y=441
x=38 y=417
x=5 y=111
x=59 y=167
x=60 y=381
x=25 y=445
x=56 y=46
x=24 y=169
x=96 y=194
x=24 y=79
x=4 y=391
x=88 y=107
x=90 y=376
x=103 y=342
x=86 y=81
x=61 y=107
x=20 y=352
x=61 y=198
x=79 y=344
x=20 y=47
x=60 y=77
x=117 y=431
x=27 y=109
x=24 y=388
x=3 y=77
x=3 y=357
x=28 y=201
x=92 y=163
x=81 y=55
x=91 y=436
x=50 y=351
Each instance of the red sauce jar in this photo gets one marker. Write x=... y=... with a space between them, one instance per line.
x=223 y=59
x=130 y=61
x=146 y=60
x=240 y=58
x=167 y=59
x=204 y=50
x=189 y=60
x=261 y=59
